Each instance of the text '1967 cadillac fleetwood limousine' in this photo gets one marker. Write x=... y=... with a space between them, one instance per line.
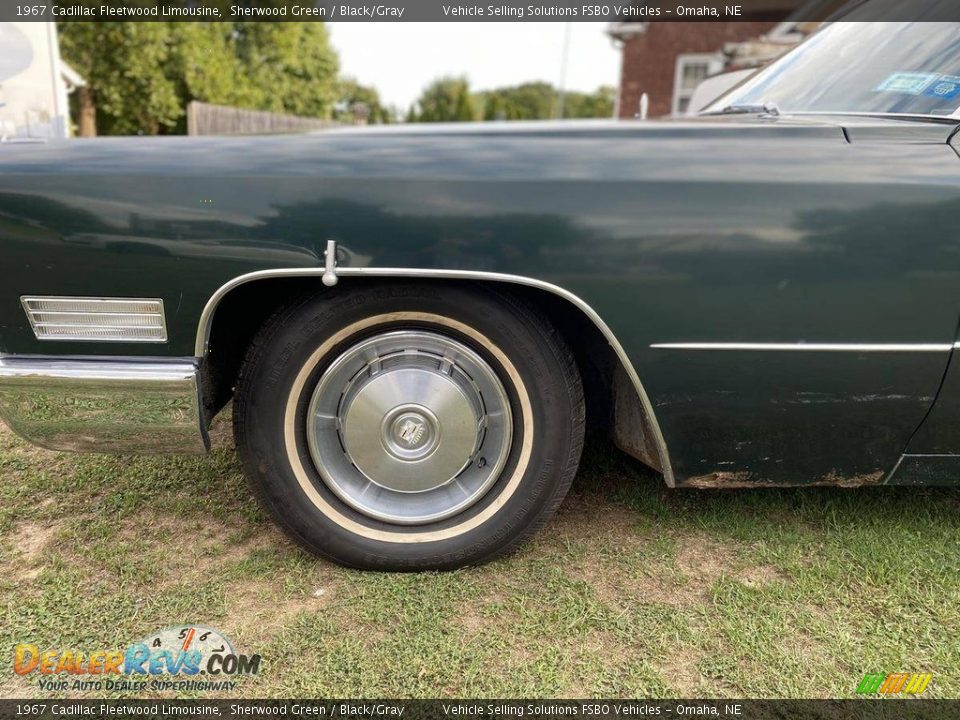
x=405 y=319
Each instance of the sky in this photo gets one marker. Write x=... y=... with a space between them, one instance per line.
x=400 y=59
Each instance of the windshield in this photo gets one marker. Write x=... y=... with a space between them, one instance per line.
x=908 y=68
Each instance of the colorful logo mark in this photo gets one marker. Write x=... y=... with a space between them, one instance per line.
x=182 y=650
x=894 y=683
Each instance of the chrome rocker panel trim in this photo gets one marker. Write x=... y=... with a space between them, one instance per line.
x=809 y=347
x=110 y=405
x=203 y=330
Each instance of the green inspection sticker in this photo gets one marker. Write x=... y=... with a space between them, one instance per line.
x=908 y=83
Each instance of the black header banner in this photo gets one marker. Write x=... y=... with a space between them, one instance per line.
x=873 y=709
x=635 y=11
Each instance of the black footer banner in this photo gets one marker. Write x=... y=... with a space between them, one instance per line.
x=631 y=11
x=866 y=709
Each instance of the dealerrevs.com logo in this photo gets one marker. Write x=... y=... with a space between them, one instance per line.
x=173 y=658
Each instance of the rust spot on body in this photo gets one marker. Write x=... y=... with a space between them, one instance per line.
x=737 y=480
x=835 y=480
x=723 y=480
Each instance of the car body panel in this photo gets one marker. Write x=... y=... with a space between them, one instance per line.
x=769 y=231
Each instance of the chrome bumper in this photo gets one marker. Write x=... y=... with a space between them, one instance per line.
x=111 y=405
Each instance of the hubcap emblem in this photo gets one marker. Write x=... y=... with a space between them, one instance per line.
x=411 y=431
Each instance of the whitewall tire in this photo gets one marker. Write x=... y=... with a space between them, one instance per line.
x=409 y=426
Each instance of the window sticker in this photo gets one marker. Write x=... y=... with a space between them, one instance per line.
x=909 y=83
x=945 y=87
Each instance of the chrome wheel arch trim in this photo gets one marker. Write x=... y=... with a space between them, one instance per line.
x=206 y=320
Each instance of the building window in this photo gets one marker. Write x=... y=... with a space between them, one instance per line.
x=691 y=71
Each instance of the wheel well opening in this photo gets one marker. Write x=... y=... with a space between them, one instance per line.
x=613 y=406
x=238 y=317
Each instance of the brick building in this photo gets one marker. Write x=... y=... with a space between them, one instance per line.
x=667 y=60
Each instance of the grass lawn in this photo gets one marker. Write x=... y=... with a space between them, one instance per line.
x=631 y=590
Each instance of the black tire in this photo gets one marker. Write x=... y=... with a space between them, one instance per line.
x=296 y=346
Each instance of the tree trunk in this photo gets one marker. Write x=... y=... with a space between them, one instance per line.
x=88 y=112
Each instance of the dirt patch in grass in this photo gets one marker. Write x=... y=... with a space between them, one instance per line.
x=259 y=604
x=31 y=541
x=586 y=517
x=197 y=547
x=477 y=616
x=703 y=561
x=631 y=568
x=679 y=670
x=258 y=611
x=618 y=559
x=595 y=543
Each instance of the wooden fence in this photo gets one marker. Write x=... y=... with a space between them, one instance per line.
x=207 y=119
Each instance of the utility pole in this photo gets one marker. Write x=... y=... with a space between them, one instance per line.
x=563 y=70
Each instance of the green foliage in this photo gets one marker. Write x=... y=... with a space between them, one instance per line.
x=540 y=101
x=123 y=64
x=446 y=99
x=357 y=102
x=292 y=65
x=529 y=101
x=207 y=67
x=142 y=75
x=449 y=100
x=598 y=104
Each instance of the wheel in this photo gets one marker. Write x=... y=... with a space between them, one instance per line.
x=409 y=427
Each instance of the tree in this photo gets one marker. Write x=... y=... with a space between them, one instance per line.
x=598 y=104
x=444 y=100
x=528 y=101
x=540 y=100
x=290 y=64
x=360 y=103
x=123 y=65
x=142 y=75
x=206 y=66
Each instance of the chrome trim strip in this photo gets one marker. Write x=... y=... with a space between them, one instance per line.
x=137 y=405
x=932 y=119
x=929 y=455
x=203 y=329
x=811 y=347
x=94 y=308
x=893 y=471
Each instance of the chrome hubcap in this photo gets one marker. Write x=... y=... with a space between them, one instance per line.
x=409 y=427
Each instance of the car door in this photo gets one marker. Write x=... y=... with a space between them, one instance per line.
x=933 y=454
x=799 y=333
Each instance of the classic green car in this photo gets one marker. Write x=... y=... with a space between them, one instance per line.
x=407 y=318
